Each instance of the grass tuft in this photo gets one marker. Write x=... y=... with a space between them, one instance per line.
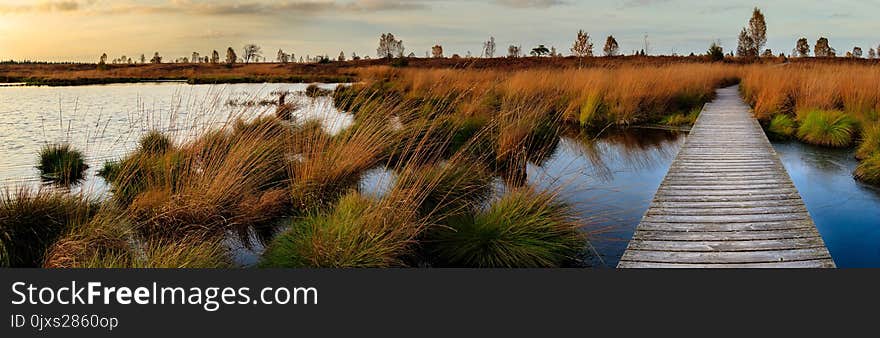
x=61 y=163
x=782 y=126
x=525 y=228
x=868 y=170
x=826 y=128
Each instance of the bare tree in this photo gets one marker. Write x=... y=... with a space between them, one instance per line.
x=489 y=48
x=857 y=52
x=195 y=57
x=215 y=57
x=389 y=47
x=803 y=47
x=823 y=48
x=758 y=30
x=611 y=47
x=231 y=57
x=582 y=45
x=745 y=45
x=282 y=57
x=514 y=51
x=553 y=52
x=437 y=51
x=252 y=52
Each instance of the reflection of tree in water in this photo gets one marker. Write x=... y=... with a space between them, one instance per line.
x=631 y=148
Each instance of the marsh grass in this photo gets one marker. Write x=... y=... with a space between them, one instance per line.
x=870 y=143
x=61 y=163
x=782 y=127
x=524 y=228
x=868 y=170
x=826 y=128
x=31 y=221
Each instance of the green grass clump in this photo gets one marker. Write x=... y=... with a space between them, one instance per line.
x=357 y=232
x=313 y=91
x=155 y=142
x=525 y=228
x=870 y=144
x=827 y=128
x=679 y=119
x=61 y=163
x=782 y=126
x=868 y=170
x=30 y=222
x=109 y=170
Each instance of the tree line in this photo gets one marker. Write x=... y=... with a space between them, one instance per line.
x=750 y=44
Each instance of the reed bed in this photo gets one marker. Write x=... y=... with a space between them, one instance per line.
x=827 y=104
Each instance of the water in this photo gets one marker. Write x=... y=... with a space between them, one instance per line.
x=846 y=212
x=106 y=121
x=610 y=181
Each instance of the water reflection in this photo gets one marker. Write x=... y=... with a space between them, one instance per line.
x=846 y=212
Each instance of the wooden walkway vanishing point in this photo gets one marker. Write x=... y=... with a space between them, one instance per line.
x=726 y=202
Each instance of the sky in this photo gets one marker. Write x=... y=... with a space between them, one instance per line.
x=81 y=30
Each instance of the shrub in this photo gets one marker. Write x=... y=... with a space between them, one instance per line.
x=61 y=163
x=313 y=90
x=826 y=128
x=782 y=126
x=870 y=142
x=155 y=142
x=868 y=170
x=525 y=228
x=357 y=232
x=30 y=222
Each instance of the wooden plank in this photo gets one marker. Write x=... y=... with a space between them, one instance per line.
x=727 y=201
x=816 y=263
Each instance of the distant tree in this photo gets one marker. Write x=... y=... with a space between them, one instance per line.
x=354 y=56
x=541 y=50
x=823 y=48
x=611 y=47
x=252 y=52
x=745 y=45
x=282 y=57
x=489 y=48
x=758 y=30
x=156 y=58
x=437 y=51
x=231 y=57
x=215 y=57
x=103 y=59
x=715 y=52
x=143 y=59
x=767 y=53
x=389 y=47
x=341 y=56
x=803 y=47
x=553 y=52
x=857 y=52
x=468 y=55
x=195 y=57
x=514 y=51
x=582 y=45
x=872 y=54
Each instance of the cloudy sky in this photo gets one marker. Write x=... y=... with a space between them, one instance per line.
x=80 y=30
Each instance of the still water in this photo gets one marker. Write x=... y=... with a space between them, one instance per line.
x=106 y=122
x=846 y=212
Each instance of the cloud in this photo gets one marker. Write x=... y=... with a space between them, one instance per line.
x=530 y=3
x=643 y=3
x=263 y=8
x=45 y=6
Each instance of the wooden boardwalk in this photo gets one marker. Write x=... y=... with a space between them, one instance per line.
x=726 y=202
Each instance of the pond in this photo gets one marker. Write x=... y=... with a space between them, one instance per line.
x=846 y=212
x=106 y=121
